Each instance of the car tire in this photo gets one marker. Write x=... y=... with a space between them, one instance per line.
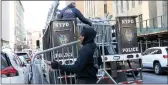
x=157 y=69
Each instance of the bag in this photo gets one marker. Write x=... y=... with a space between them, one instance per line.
x=97 y=58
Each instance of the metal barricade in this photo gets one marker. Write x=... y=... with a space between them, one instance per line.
x=106 y=40
x=40 y=72
x=106 y=32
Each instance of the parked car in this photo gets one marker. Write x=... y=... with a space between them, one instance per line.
x=26 y=68
x=156 y=58
x=12 y=70
x=25 y=55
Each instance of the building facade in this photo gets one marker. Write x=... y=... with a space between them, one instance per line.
x=5 y=38
x=97 y=8
x=20 y=32
x=151 y=20
x=143 y=9
x=32 y=39
x=94 y=9
x=13 y=23
x=29 y=40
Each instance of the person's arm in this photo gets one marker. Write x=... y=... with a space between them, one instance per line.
x=82 y=18
x=79 y=64
x=60 y=16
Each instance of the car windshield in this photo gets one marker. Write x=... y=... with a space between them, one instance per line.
x=23 y=55
x=167 y=50
x=22 y=59
x=3 y=62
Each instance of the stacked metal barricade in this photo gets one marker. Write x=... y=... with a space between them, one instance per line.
x=62 y=45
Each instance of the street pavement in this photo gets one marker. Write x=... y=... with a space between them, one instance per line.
x=149 y=77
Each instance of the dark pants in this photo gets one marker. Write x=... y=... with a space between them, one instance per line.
x=86 y=81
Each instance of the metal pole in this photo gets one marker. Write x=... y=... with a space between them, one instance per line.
x=141 y=45
x=110 y=76
x=146 y=44
x=51 y=49
x=159 y=42
x=104 y=66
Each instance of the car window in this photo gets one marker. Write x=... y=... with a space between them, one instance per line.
x=148 y=51
x=4 y=62
x=25 y=55
x=156 y=51
x=167 y=50
x=17 y=60
x=23 y=60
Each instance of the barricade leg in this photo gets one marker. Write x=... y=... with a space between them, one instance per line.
x=131 y=70
x=104 y=65
x=55 y=71
x=140 y=64
x=121 y=76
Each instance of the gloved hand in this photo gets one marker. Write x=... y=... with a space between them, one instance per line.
x=53 y=65
x=90 y=24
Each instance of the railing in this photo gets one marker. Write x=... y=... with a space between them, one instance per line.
x=151 y=26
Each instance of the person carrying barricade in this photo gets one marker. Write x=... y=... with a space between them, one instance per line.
x=86 y=66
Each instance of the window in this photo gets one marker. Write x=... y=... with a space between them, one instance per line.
x=127 y=5
x=133 y=3
x=147 y=52
x=105 y=8
x=117 y=7
x=105 y=1
x=94 y=9
x=156 y=51
x=4 y=62
x=121 y=6
x=167 y=50
x=140 y=21
x=17 y=60
x=140 y=1
x=25 y=55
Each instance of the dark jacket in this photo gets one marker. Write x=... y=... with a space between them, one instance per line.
x=84 y=66
x=70 y=12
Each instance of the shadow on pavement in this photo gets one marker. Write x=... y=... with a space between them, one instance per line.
x=152 y=72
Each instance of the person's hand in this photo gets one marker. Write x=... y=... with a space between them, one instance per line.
x=48 y=65
x=47 y=62
x=90 y=24
x=55 y=65
x=52 y=65
x=50 y=68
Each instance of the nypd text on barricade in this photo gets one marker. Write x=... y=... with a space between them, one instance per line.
x=62 y=24
x=127 y=21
